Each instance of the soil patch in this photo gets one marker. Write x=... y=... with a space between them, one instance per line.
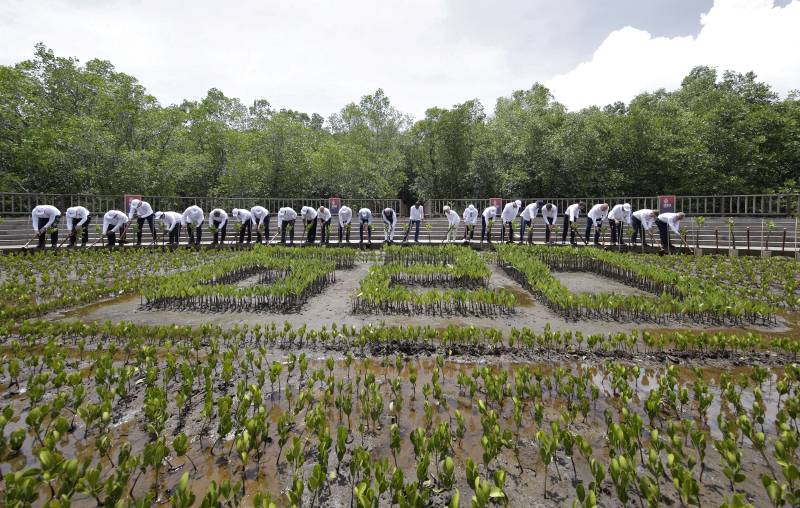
x=586 y=282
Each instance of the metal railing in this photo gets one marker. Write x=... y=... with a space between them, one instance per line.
x=12 y=204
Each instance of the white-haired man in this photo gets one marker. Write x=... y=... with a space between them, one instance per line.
x=324 y=218
x=260 y=219
x=470 y=221
x=594 y=219
x=44 y=218
x=143 y=212
x=452 y=223
x=218 y=223
x=172 y=225
x=617 y=217
x=286 y=220
x=510 y=212
x=641 y=222
x=528 y=215
x=193 y=218
x=345 y=221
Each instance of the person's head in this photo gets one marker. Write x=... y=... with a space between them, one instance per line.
x=549 y=206
x=604 y=206
x=653 y=214
x=387 y=211
x=235 y=212
x=518 y=203
x=471 y=206
x=417 y=204
x=581 y=205
x=322 y=209
x=626 y=207
x=445 y=208
x=39 y=211
x=159 y=215
x=135 y=203
x=680 y=216
x=539 y=203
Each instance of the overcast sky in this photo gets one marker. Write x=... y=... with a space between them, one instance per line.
x=318 y=55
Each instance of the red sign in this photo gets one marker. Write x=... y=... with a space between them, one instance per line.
x=334 y=204
x=496 y=202
x=666 y=204
x=128 y=198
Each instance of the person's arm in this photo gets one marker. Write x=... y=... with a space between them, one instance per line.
x=421 y=213
x=676 y=226
x=81 y=222
x=34 y=220
x=50 y=220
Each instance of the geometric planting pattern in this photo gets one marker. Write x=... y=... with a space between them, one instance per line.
x=464 y=276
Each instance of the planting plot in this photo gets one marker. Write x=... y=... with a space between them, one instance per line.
x=583 y=282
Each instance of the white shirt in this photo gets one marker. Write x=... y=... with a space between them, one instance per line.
x=530 y=211
x=490 y=213
x=219 y=215
x=193 y=215
x=470 y=215
x=365 y=214
x=573 y=211
x=510 y=211
x=452 y=218
x=417 y=212
x=259 y=213
x=171 y=219
x=324 y=216
x=673 y=221
x=345 y=215
x=50 y=212
x=286 y=214
x=76 y=212
x=596 y=213
x=244 y=215
x=645 y=216
x=308 y=213
x=392 y=219
x=552 y=213
x=143 y=210
x=113 y=219
x=619 y=214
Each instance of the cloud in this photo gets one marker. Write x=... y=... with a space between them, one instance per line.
x=740 y=35
x=309 y=55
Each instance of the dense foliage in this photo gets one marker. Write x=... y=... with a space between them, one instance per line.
x=68 y=127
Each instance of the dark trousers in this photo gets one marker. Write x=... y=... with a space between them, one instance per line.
x=265 y=222
x=175 y=235
x=637 y=226
x=510 y=226
x=140 y=223
x=663 y=233
x=219 y=232
x=368 y=226
x=84 y=231
x=195 y=233
x=548 y=223
x=523 y=224
x=324 y=234
x=53 y=235
x=567 y=229
x=589 y=224
x=616 y=232
x=246 y=227
x=343 y=230
x=287 y=224
x=469 y=229
x=416 y=224
x=311 y=231
x=485 y=233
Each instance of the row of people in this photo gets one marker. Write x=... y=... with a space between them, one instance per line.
x=115 y=222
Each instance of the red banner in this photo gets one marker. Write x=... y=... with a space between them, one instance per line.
x=128 y=198
x=496 y=202
x=334 y=204
x=666 y=204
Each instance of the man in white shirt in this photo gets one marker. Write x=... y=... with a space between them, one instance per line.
x=528 y=215
x=470 y=221
x=365 y=218
x=218 y=222
x=245 y=223
x=143 y=212
x=324 y=218
x=594 y=219
x=260 y=220
x=389 y=223
x=452 y=223
x=416 y=215
x=345 y=219
x=487 y=220
x=172 y=223
x=617 y=217
x=113 y=222
x=549 y=214
x=193 y=218
x=44 y=218
x=510 y=212
x=571 y=215
x=309 y=215
x=78 y=218
x=286 y=220
x=641 y=222
x=665 y=222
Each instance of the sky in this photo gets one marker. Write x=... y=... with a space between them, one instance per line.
x=318 y=55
